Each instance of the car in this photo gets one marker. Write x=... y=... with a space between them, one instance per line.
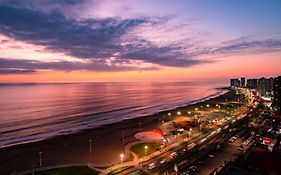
x=152 y=164
x=185 y=173
x=193 y=168
x=151 y=167
x=163 y=161
x=231 y=140
x=174 y=154
x=241 y=149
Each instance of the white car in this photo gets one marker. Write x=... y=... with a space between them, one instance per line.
x=152 y=164
x=151 y=167
x=174 y=154
x=163 y=161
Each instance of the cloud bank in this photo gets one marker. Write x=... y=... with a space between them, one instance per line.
x=106 y=44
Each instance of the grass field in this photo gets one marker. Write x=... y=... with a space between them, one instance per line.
x=140 y=150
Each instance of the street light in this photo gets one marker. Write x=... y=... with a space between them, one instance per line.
x=196 y=109
x=190 y=130
x=140 y=125
x=90 y=145
x=121 y=157
x=189 y=112
x=169 y=114
x=123 y=136
x=40 y=158
x=145 y=149
x=179 y=113
x=208 y=105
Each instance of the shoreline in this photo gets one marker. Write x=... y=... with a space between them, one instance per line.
x=74 y=148
x=220 y=91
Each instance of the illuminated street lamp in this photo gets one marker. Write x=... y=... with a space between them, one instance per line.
x=169 y=114
x=196 y=109
x=179 y=113
x=121 y=157
x=190 y=130
x=208 y=105
x=189 y=112
x=145 y=149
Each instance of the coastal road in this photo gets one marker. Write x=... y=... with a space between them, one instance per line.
x=228 y=153
x=165 y=154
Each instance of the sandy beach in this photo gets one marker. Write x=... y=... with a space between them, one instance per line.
x=106 y=144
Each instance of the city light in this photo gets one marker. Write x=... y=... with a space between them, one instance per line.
x=145 y=149
x=121 y=157
x=179 y=113
x=208 y=105
x=196 y=109
x=169 y=114
x=189 y=112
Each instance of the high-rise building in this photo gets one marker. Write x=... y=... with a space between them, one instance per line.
x=277 y=94
x=265 y=86
x=252 y=83
x=235 y=82
x=243 y=81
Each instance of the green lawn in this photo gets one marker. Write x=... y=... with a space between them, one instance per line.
x=68 y=171
x=118 y=170
x=130 y=158
x=140 y=151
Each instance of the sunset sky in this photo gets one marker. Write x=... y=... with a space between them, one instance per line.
x=138 y=40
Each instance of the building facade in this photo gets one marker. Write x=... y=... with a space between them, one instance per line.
x=277 y=94
x=235 y=82
x=243 y=79
x=265 y=86
x=252 y=83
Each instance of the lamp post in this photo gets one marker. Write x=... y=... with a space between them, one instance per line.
x=190 y=130
x=40 y=158
x=169 y=114
x=140 y=125
x=145 y=149
x=123 y=135
x=121 y=158
x=90 y=146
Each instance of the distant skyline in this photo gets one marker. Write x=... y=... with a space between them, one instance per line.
x=138 y=40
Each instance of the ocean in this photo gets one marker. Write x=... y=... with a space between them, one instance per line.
x=33 y=112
